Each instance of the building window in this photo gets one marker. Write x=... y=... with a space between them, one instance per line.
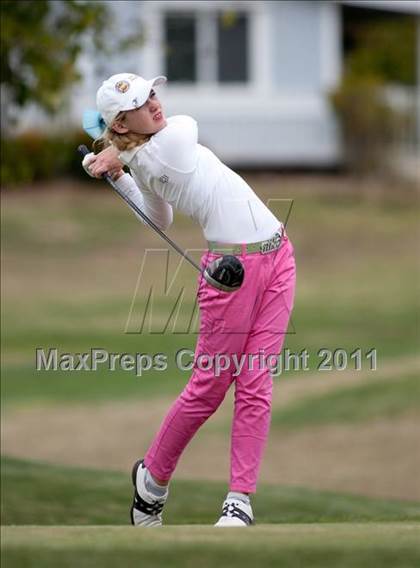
x=232 y=38
x=180 y=55
x=207 y=47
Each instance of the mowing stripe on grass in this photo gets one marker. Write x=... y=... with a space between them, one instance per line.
x=361 y=403
x=346 y=545
x=36 y=493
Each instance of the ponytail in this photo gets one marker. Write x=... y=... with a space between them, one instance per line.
x=126 y=141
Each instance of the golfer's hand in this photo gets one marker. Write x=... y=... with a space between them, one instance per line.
x=87 y=160
x=105 y=162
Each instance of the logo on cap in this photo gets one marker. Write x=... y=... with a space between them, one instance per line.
x=122 y=86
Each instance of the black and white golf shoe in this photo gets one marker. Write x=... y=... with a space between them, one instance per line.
x=235 y=513
x=146 y=509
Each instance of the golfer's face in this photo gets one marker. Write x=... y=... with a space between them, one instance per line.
x=147 y=119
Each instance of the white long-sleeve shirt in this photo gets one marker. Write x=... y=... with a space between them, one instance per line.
x=173 y=170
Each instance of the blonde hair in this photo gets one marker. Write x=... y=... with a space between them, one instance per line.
x=122 y=142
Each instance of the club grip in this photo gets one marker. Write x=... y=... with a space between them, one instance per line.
x=83 y=149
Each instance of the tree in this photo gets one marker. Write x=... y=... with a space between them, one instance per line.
x=40 y=43
x=384 y=48
x=380 y=50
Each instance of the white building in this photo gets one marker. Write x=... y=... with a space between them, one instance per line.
x=255 y=74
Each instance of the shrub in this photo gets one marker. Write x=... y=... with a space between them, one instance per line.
x=34 y=156
x=369 y=124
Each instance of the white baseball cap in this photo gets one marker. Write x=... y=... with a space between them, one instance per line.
x=124 y=91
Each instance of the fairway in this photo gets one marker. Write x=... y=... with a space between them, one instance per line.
x=345 y=545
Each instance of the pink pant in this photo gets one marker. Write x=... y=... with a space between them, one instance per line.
x=250 y=321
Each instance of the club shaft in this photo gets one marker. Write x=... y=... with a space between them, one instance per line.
x=84 y=150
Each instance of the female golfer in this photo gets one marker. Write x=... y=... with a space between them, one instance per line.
x=170 y=168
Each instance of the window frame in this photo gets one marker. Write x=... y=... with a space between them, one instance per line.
x=207 y=80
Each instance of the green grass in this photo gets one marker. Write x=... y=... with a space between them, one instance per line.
x=364 y=402
x=76 y=219
x=60 y=288
x=329 y=545
x=41 y=494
